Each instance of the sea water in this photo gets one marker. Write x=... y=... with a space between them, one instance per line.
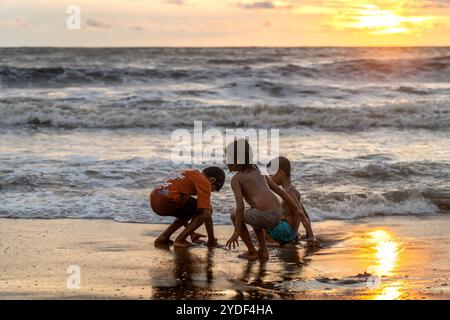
x=86 y=133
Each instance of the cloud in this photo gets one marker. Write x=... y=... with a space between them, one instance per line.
x=442 y=26
x=178 y=2
x=257 y=5
x=17 y=22
x=266 y=24
x=96 y=24
x=136 y=28
x=440 y=2
x=431 y=4
x=388 y=4
x=264 y=5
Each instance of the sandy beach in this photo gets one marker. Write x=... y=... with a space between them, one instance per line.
x=87 y=133
x=118 y=117
x=376 y=258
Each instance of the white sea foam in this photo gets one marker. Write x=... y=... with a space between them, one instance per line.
x=362 y=206
x=132 y=206
x=367 y=133
x=398 y=115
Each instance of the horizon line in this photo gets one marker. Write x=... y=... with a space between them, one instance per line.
x=217 y=47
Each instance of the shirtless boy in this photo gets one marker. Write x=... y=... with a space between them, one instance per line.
x=287 y=230
x=256 y=189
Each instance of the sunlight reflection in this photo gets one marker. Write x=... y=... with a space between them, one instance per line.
x=390 y=292
x=385 y=254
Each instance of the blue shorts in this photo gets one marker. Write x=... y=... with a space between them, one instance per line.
x=282 y=233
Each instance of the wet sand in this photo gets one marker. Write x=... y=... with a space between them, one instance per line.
x=377 y=258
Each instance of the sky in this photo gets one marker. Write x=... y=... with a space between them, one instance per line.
x=195 y=23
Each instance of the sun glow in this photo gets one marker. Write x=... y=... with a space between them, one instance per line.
x=378 y=21
x=383 y=21
x=392 y=292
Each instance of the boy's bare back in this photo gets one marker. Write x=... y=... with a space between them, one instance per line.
x=288 y=215
x=255 y=190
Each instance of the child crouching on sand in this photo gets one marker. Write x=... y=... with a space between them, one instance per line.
x=174 y=197
x=250 y=185
x=287 y=230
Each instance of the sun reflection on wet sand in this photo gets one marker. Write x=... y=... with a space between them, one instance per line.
x=385 y=254
x=391 y=292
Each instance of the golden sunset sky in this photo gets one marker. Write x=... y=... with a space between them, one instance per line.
x=227 y=23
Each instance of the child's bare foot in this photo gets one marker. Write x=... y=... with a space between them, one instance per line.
x=161 y=243
x=263 y=254
x=251 y=256
x=213 y=244
x=182 y=244
x=288 y=245
x=312 y=242
x=195 y=237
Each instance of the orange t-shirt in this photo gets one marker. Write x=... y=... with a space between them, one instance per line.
x=176 y=190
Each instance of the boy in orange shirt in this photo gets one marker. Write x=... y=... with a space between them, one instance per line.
x=175 y=198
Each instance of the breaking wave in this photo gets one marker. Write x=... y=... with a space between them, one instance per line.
x=154 y=114
x=354 y=206
x=431 y=69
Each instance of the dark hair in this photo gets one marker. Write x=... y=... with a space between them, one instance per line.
x=237 y=158
x=283 y=164
x=218 y=174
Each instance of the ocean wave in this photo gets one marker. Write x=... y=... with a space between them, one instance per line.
x=65 y=76
x=243 y=61
x=154 y=115
x=434 y=69
x=430 y=69
x=293 y=69
x=127 y=205
x=353 y=206
x=384 y=171
x=411 y=90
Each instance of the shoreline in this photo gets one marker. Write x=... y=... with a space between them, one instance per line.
x=363 y=219
x=371 y=258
